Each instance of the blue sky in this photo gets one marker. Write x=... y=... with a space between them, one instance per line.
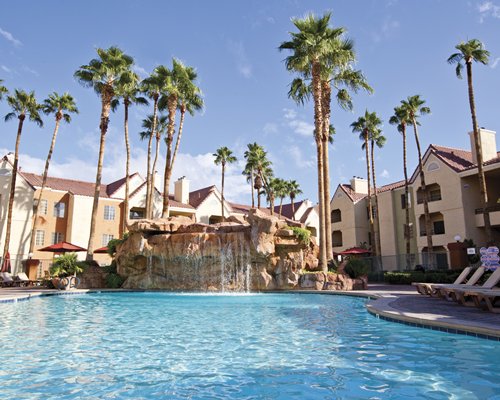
x=402 y=48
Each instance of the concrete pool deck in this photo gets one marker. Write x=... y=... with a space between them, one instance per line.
x=398 y=303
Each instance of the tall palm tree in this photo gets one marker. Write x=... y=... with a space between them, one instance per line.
x=272 y=191
x=154 y=87
x=61 y=106
x=365 y=126
x=102 y=74
x=293 y=189
x=469 y=52
x=249 y=170
x=3 y=89
x=223 y=156
x=281 y=192
x=309 y=47
x=414 y=108
x=180 y=85
x=22 y=105
x=376 y=139
x=401 y=119
x=262 y=169
x=128 y=90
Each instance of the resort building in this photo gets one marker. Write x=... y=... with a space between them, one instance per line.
x=66 y=207
x=454 y=200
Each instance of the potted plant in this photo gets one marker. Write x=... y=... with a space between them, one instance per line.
x=63 y=267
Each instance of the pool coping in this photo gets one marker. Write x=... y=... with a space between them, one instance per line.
x=379 y=305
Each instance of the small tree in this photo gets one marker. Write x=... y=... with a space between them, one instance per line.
x=223 y=156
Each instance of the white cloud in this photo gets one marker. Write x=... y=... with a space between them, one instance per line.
x=30 y=70
x=385 y=174
x=6 y=69
x=8 y=36
x=298 y=125
x=299 y=159
x=243 y=66
x=495 y=63
x=488 y=9
x=289 y=113
x=270 y=128
x=140 y=71
x=389 y=26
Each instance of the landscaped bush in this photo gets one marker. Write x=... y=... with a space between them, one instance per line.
x=302 y=234
x=115 y=242
x=406 y=278
x=113 y=280
x=356 y=267
x=66 y=265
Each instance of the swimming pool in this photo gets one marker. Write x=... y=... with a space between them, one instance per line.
x=272 y=346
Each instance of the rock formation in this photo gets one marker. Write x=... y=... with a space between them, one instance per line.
x=259 y=253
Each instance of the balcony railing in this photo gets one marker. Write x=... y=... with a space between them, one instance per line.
x=337 y=244
x=433 y=232
x=432 y=197
x=496 y=207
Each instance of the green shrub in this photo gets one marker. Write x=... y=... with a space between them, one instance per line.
x=356 y=267
x=406 y=278
x=302 y=234
x=114 y=281
x=66 y=265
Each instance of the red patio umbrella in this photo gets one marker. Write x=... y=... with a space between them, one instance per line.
x=62 y=247
x=101 y=250
x=355 y=251
x=6 y=267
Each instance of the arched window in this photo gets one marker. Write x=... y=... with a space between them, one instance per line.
x=336 y=215
x=433 y=166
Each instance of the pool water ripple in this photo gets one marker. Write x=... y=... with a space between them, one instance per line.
x=272 y=346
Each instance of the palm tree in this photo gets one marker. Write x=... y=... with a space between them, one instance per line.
x=293 y=189
x=128 y=89
x=249 y=170
x=223 y=156
x=401 y=119
x=309 y=46
x=102 y=74
x=154 y=87
x=365 y=126
x=469 y=52
x=376 y=139
x=180 y=87
x=272 y=191
x=414 y=108
x=61 y=106
x=22 y=105
x=3 y=89
x=281 y=191
x=262 y=169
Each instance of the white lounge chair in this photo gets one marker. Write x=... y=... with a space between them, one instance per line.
x=23 y=279
x=6 y=279
x=434 y=289
x=474 y=296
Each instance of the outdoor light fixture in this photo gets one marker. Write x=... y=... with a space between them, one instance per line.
x=457 y=238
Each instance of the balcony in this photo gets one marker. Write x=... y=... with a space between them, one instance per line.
x=433 y=193
x=494 y=216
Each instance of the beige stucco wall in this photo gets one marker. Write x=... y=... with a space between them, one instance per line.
x=211 y=206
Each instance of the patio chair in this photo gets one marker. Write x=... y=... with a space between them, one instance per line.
x=475 y=296
x=488 y=299
x=433 y=289
x=23 y=279
x=7 y=280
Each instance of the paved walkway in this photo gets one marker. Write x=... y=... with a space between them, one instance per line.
x=400 y=303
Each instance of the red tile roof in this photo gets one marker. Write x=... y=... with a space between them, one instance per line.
x=458 y=159
x=198 y=196
x=114 y=186
x=286 y=210
x=355 y=197
x=67 y=185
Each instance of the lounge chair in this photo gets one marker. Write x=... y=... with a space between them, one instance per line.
x=488 y=299
x=426 y=288
x=23 y=279
x=7 y=279
x=475 y=296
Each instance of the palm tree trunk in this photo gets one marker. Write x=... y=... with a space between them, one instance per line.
x=327 y=90
x=281 y=205
x=179 y=135
x=252 y=188
x=44 y=182
x=479 y=156
x=107 y=96
x=318 y=126
x=153 y=174
x=377 y=217
x=149 y=185
x=407 y=202
x=428 y=228
x=13 y=187
x=172 y=106
x=127 y=168
x=222 y=191
x=370 y=209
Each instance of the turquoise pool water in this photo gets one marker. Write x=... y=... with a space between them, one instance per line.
x=264 y=346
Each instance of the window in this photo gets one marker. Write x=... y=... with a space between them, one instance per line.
x=336 y=215
x=57 y=237
x=438 y=227
x=337 y=239
x=109 y=213
x=136 y=213
x=106 y=238
x=433 y=166
x=59 y=210
x=39 y=238
x=435 y=194
x=404 y=202
x=43 y=207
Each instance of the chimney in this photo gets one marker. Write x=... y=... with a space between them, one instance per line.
x=181 y=190
x=359 y=185
x=488 y=142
